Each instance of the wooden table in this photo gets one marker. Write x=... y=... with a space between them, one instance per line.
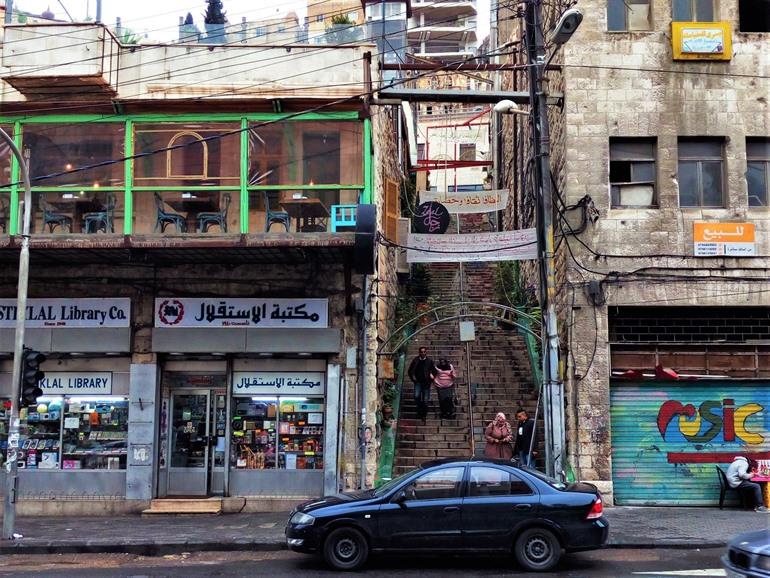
x=189 y=205
x=306 y=211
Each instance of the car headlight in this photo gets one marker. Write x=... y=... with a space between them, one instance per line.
x=763 y=563
x=302 y=518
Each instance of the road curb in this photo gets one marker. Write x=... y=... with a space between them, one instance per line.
x=155 y=549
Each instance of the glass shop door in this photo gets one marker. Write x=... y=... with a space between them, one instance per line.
x=190 y=445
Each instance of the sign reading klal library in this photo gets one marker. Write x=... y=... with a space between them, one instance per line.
x=724 y=239
x=53 y=313
x=270 y=313
x=504 y=246
x=73 y=382
x=278 y=382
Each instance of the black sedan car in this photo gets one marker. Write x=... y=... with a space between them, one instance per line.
x=748 y=555
x=454 y=506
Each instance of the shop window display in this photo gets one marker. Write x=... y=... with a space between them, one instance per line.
x=5 y=412
x=277 y=432
x=75 y=433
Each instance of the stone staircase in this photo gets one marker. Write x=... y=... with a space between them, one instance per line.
x=499 y=365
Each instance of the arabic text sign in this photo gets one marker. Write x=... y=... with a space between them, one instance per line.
x=724 y=239
x=278 y=383
x=53 y=313
x=271 y=313
x=468 y=202
x=703 y=41
x=76 y=383
x=504 y=246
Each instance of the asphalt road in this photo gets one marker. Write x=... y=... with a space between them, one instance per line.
x=604 y=563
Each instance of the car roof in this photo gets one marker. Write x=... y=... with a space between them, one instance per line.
x=464 y=461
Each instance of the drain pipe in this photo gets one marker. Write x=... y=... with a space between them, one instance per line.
x=363 y=427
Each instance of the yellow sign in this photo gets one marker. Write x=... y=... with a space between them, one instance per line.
x=701 y=40
x=724 y=239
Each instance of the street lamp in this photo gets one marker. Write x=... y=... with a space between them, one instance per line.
x=509 y=107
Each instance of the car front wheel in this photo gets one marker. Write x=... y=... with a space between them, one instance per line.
x=537 y=549
x=345 y=549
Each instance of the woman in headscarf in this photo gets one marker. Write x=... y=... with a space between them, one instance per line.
x=499 y=436
x=444 y=379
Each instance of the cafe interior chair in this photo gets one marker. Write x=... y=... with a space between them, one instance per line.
x=3 y=215
x=724 y=487
x=52 y=219
x=343 y=218
x=281 y=217
x=101 y=220
x=206 y=220
x=164 y=218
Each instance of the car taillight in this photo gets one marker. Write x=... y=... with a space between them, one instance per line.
x=596 y=510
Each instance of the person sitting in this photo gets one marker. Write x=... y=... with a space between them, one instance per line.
x=739 y=476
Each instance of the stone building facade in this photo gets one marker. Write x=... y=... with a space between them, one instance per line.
x=662 y=135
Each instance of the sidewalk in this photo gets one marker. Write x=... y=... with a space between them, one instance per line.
x=629 y=528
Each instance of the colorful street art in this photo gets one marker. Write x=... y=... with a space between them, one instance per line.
x=667 y=438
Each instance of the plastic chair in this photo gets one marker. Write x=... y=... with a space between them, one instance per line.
x=52 y=219
x=343 y=217
x=281 y=217
x=724 y=487
x=206 y=220
x=101 y=220
x=165 y=218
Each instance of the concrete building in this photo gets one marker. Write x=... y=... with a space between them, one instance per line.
x=334 y=21
x=442 y=30
x=209 y=317
x=660 y=152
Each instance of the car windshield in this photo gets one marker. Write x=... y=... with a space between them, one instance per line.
x=387 y=486
x=553 y=482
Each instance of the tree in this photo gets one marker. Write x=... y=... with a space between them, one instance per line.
x=214 y=13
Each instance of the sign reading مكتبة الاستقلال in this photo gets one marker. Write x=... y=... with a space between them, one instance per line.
x=63 y=313
x=278 y=382
x=173 y=312
x=724 y=239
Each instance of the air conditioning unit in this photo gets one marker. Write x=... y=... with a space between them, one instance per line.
x=404 y=226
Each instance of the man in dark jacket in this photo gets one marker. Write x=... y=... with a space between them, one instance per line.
x=419 y=372
x=525 y=439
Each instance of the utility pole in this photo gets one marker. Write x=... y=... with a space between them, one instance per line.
x=553 y=388
x=11 y=466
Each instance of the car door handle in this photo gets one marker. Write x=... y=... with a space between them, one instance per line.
x=452 y=509
x=522 y=507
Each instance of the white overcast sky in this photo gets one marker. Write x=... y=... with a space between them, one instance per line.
x=160 y=19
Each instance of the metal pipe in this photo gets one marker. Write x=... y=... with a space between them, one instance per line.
x=362 y=429
x=11 y=466
x=98 y=11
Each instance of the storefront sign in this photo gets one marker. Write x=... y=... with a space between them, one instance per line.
x=468 y=202
x=724 y=239
x=196 y=312
x=278 y=382
x=431 y=218
x=54 y=313
x=77 y=383
x=701 y=40
x=505 y=246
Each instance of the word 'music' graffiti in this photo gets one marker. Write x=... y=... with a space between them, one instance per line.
x=731 y=421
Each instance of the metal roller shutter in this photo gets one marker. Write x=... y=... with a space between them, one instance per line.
x=667 y=438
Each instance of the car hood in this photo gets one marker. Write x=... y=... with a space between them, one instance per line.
x=755 y=542
x=334 y=500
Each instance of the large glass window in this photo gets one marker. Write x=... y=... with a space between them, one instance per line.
x=76 y=433
x=628 y=15
x=694 y=10
x=277 y=432
x=701 y=180
x=5 y=415
x=758 y=171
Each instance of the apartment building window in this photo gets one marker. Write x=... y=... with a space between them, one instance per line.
x=701 y=172
x=628 y=15
x=319 y=18
x=758 y=171
x=632 y=172
x=694 y=10
x=754 y=16
x=467 y=151
x=420 y=151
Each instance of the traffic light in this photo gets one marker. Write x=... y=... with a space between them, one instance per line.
x=31 y=376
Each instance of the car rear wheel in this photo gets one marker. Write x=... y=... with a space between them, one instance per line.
x=345 y=549
x=537 y=549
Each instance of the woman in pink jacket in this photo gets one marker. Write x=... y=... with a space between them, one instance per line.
x=444 y=379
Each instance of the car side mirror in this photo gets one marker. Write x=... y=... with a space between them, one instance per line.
x=400 y=497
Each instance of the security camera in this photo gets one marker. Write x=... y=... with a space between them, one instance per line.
x=505 y=107
x=566 y=26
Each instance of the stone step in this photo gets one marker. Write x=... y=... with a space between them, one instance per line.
x=184 y=506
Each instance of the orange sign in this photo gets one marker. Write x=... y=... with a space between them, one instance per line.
x=723 y=232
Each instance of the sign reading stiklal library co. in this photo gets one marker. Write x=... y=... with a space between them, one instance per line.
x=270 y=313
x=76 y=383
x=53 y=313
